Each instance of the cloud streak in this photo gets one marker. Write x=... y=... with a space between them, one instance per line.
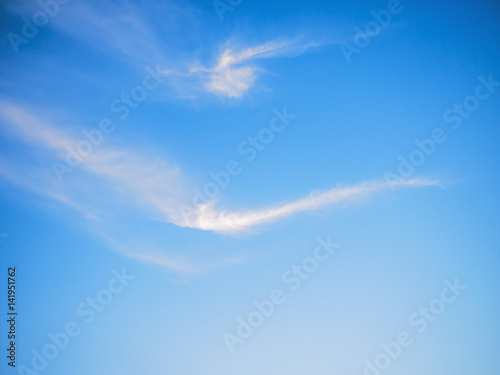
x=207 y=217
x=159 y=189
x=177 y=263
x=119 y=30
x=236 y=70
x=123 y=32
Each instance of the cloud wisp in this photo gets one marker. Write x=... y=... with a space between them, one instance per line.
x=179 y=263
x=207 y=217
x=236 y=70
x=123 y=32
x=119 y=30
x=135 y=36
x=157 y=188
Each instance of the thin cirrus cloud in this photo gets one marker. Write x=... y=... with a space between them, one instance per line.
x=151 y=188
x=178 y=263
x=236 y=69
x=123 y=33
x=123 y=176
x=150 y=182
x=110 y=180
x=207 y=217
x=155 y=189
x=184 y=265
x=118 y=30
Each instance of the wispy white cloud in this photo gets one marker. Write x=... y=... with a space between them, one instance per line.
x=135 y=36
x=233 y=75
x=236 y=69
x=178 y=262
x=146 y=36
x=150 y=182
x=118 y=29
x=114 y=28
x=184 y=265
x=207 y=217
x=153 y=188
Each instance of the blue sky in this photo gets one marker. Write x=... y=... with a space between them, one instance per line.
x=206 y=149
